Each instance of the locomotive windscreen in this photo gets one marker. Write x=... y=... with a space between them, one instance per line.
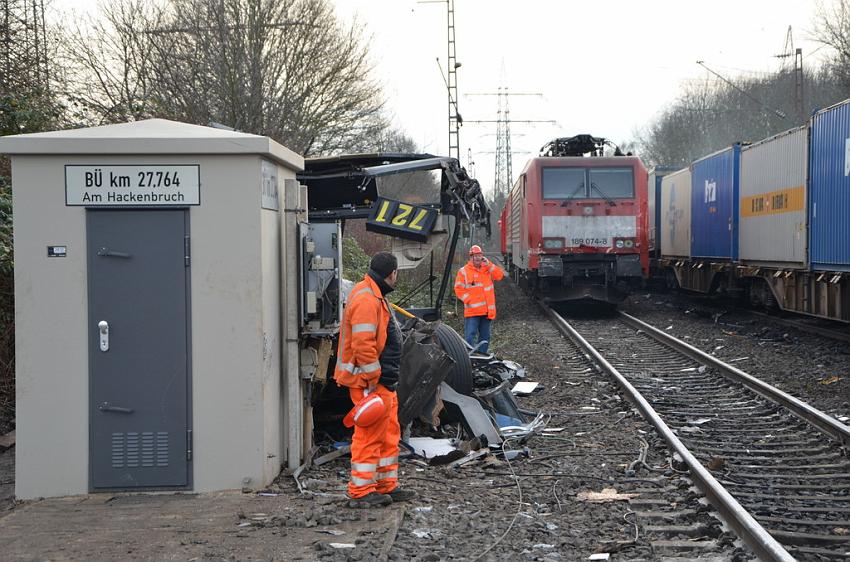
x=588 y=183
x=613 y=183
x=564 y=183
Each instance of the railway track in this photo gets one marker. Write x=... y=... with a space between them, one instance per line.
x=776 y=469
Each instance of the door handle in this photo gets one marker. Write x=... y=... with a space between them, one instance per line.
x=103 y=328
x=107 y=253
x=105 y=407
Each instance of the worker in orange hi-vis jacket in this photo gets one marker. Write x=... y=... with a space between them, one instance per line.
x=368 y=360
x=474 y=287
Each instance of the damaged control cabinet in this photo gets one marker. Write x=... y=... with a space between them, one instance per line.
x=321 y=266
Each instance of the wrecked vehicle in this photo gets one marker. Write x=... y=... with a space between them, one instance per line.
x=443 y=381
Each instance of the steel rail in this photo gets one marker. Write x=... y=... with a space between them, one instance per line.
x=824 y=422
x=837 y=334
x=733 y=513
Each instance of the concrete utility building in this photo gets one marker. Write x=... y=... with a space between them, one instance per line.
x=154 y=309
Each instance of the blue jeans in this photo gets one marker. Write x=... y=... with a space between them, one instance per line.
x=477 y=325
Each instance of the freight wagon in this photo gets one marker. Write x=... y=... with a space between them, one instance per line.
x=653 y=184
x=768 y=221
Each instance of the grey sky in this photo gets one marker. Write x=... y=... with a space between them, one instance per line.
x=604 y=68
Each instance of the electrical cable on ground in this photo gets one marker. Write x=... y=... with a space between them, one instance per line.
x=518 y=510
x=635 y=523
x=555 y=493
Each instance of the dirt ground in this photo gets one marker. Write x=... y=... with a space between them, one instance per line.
x=529 y=508
x=810 y=367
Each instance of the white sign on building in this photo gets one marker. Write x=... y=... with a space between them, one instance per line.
x=132 y=185
x=270 y=198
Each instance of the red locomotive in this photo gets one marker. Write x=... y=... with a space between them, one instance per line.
x=574 y=227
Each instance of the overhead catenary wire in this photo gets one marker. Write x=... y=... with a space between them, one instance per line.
x=774 y=111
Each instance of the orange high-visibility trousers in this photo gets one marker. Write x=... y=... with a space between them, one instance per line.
x=374 y=449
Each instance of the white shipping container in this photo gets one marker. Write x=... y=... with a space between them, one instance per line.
x=675 y=212
x=772 y=210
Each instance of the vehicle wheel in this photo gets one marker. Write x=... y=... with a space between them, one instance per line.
x=460 y=375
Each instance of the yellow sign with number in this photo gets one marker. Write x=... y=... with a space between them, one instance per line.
x=402 y=220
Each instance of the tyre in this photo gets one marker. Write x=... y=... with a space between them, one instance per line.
x=460 y=375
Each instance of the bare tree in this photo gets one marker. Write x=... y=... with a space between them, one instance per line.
x=710 y=115
x=107 y=64
x=283 y=68
x=832 y=28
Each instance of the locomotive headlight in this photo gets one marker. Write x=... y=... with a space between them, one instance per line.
x=553 y=243
x=630 y=243
x=619 y=243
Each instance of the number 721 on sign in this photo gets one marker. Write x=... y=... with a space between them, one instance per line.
x=402 y=220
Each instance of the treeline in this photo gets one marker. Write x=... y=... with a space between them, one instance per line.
x=712 y=114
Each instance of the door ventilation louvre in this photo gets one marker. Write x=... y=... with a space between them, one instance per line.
x=133 y=449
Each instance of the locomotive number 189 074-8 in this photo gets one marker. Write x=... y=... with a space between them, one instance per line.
x=589 y=242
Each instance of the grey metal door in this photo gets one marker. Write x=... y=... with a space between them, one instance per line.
x=138 y=348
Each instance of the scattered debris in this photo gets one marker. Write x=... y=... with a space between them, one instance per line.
x=468 y=458
x=500 y=400
x=334 y=532
x=326 y=458
x=424 y=365
x=689 y=429
x=600 y=556
x=448 y=459
x=524 y=388
x=428 y=447
x=489 y=371
x=475 y=418
x=536 y=426
x=830 y=380
x=516 y=453
x=424 y=509
x=606 y=495
x=506 y=421
x=699 y=421
x=7 y=441
x=738 y=359
x=554 y=429
x=298 y=471
x=426 y=533
x=716 y=463
x=342 y=545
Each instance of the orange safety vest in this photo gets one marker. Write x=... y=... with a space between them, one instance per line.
x=362 y=336
x=474 y=287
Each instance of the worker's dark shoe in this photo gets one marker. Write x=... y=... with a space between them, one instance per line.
x=399 y=495
x=372 y=499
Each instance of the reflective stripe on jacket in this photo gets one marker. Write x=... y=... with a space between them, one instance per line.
x=362 y=336
x=474 y=287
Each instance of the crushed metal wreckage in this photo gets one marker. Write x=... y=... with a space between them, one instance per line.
x=486 y=416
x=456 y=405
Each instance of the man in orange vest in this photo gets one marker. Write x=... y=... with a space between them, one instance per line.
x=474 y=287
x=368 y=360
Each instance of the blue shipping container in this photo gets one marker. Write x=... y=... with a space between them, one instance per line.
x=714 y=205
x=829 y=178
